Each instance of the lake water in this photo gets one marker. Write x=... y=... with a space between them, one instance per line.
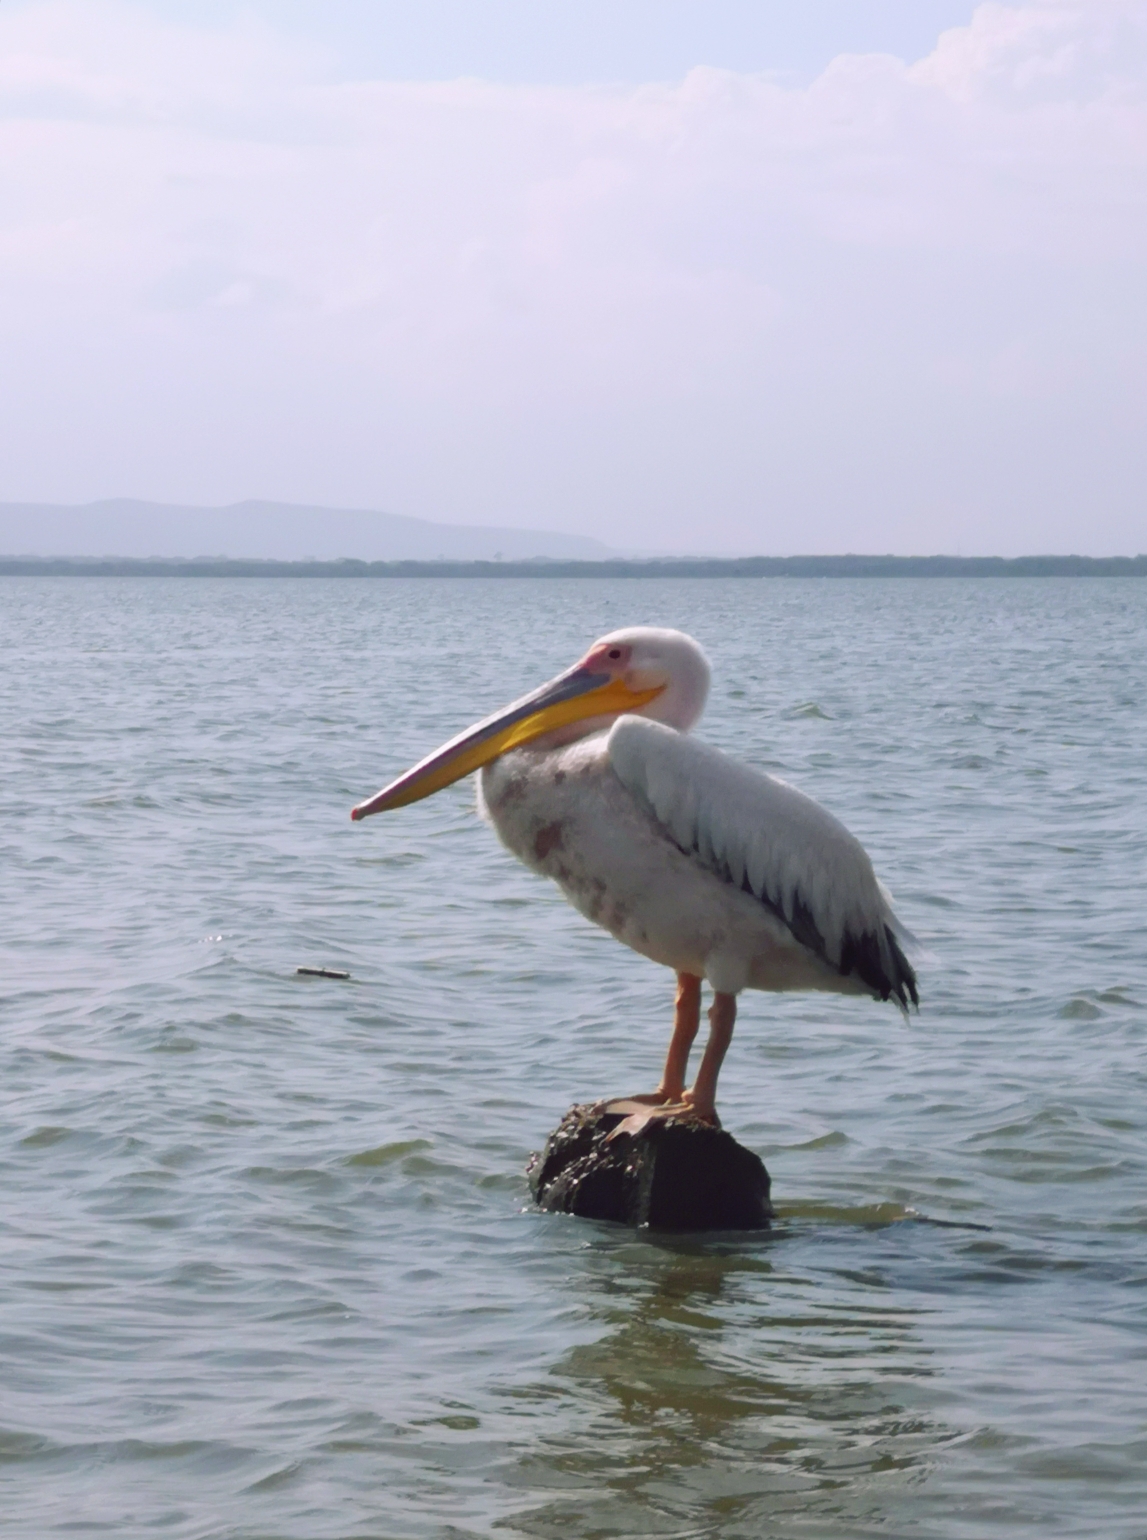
x=268 y=1265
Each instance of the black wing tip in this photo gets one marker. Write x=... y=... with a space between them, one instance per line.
x=885 y=969
x=905 y=987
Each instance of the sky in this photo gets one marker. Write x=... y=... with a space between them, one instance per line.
x=718 y=277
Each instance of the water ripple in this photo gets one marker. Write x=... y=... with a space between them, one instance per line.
x=271 y=1270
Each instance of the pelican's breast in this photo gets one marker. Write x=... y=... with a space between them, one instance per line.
x=566 y=814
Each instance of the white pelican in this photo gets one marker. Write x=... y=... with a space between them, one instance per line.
x=713 y=869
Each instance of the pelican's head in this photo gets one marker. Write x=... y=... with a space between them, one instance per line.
x=668 y=662
x=653 y=673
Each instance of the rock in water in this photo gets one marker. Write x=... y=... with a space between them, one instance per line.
x=673 y=1175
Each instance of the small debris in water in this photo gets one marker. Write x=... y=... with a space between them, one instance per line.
x=323 y=973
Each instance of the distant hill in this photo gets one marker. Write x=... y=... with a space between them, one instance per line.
x=125 y=527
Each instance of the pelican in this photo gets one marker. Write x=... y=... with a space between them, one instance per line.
x=713 y=869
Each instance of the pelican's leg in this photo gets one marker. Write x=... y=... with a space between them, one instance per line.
x=702 y=1096
x=686 y=1021
x=670 y=1098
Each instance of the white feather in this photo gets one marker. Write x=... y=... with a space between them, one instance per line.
x=739 y=822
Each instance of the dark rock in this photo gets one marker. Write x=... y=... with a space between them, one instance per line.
x=672 y=1175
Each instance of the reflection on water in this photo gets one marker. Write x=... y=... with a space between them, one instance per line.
x=718 y=1400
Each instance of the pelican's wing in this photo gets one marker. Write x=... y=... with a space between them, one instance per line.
x=773 y=842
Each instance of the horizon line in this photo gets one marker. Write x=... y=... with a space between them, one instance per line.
x=844 y=565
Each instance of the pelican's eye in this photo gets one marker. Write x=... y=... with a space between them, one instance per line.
x=615 y=652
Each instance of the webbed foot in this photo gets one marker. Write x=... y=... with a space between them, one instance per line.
x=640 y=1112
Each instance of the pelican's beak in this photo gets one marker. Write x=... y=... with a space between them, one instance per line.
x=579 y=693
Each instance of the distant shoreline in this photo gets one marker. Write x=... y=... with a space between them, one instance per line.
x=744 y=566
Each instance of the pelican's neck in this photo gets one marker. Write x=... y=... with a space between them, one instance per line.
x=573 y=732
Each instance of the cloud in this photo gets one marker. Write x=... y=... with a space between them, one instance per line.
x=899 y=308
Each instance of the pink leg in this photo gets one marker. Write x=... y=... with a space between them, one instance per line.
x=686 y=1020
x=702 y=1097
x=671 y=1099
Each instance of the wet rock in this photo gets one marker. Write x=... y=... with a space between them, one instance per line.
x=672 y=1175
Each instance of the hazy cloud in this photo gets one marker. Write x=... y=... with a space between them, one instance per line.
x=899 y=308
